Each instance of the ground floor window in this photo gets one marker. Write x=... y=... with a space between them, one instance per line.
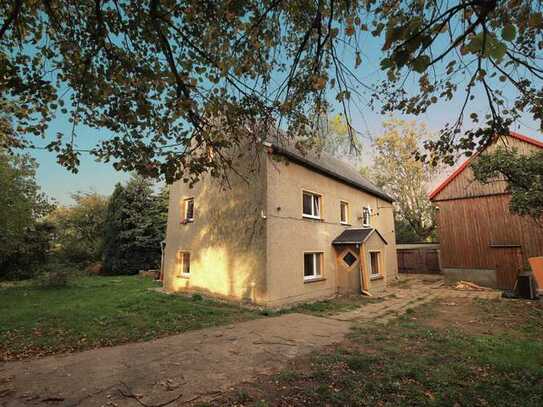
x=375 y=263
x=312 y=266
x=183 y=263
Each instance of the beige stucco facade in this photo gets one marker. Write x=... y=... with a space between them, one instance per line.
x=289 y=234
x=248 y=242
x=226 y=240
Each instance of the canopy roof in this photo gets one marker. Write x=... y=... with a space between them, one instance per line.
x=356 y=236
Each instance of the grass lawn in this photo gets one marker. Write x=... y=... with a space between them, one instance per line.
x=334 y=306
x=99 y=311
x=459 y=352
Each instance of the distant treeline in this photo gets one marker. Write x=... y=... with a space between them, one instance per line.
x=120 y=234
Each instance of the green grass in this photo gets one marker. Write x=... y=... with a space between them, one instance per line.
x=333 y=306
x=99 y=311
x=413 y=362
x=409 y=363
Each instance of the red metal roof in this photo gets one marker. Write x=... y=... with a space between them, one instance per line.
x=463 y=166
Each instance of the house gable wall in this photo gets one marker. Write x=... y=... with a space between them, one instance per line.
x=226 y=241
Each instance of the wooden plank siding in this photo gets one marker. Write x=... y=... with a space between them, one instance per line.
x=476 y=228
x=468 y=228
x=464 y=184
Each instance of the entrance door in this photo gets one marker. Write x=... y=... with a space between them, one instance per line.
x=348 y=269
x=509 y=263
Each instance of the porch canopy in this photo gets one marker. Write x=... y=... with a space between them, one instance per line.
x=356 y=236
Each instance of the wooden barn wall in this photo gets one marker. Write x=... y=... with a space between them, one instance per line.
x=464 y=184
x=467 y=228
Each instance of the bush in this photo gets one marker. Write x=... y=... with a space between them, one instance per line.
x=55 y=275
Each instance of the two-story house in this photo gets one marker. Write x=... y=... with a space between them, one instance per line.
x=290 y=227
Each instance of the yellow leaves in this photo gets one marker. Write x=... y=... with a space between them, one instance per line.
x=319 y=82
x=338 y=125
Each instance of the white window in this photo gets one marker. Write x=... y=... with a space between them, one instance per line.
x=188 y=214
x=183 y=263
x=366 y=216
x=375 y=264
x=344 y=212
x=311 y=204
x=312 y=266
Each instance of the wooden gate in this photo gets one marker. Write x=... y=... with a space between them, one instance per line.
x=418 y=258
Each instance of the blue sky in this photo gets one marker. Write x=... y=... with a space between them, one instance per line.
x=58 y=183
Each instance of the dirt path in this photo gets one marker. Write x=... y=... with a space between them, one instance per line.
x=194 y=365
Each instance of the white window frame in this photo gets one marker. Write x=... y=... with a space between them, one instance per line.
x=378 y=274
x=366 y=210
x=316 y=257
x=347 y=213
x=181 y=262
x=186 y=209
x=314 y=196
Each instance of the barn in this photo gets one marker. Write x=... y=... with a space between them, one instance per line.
x=480 y=240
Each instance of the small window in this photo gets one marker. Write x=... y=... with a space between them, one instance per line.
x=312 y=266
x=375 y=263
x=344 y=212
x=183 y=263
x=189 y=210
x=366 y=216
x=349 y=259
x=311 y=205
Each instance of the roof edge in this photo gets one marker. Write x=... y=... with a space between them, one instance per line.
x=311 y=165
x=372 y=230
x=463 y=166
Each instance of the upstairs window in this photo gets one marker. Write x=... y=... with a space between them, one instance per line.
x=311 y=205
x=366 y=216
x=312 y=266
x=344 y=212
x=188 y=210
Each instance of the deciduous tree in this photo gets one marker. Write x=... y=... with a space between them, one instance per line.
x=523 y=174
x=175 y=80
x=24 y=239
x=399 y=173
x=80 y=227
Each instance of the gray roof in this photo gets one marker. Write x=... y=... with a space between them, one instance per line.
x=332 y=167
x=356 y=236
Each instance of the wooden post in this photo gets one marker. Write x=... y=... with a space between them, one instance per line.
x=364 y=279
